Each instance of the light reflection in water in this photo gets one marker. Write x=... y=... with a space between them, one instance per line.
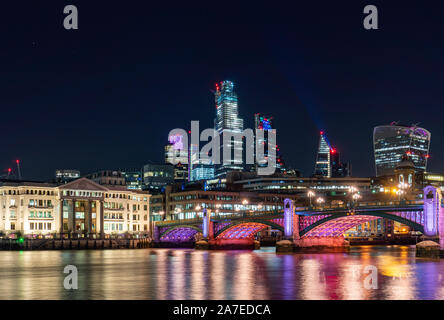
x=313 y=280
x=217 y=266
x=190 y=274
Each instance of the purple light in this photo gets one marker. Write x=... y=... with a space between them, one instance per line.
x=179 y=235
x=205 y=223
x=176 y=141
x=242 y=231
x=288 y=218
x=432 y=204
x=337 y=227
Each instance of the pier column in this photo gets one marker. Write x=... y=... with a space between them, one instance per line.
x=205 y=223
x=433 y=214
x=88 y=215
x=73 y=226
x=61 y=218
x=432 y=206
x=102 y=221
x=291 y=221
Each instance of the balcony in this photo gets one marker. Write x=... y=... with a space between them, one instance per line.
x=114 y=209
x=36 y=206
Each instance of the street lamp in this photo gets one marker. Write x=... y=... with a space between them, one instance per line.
x=320 y=200
x=352 y=189
x=310 y=195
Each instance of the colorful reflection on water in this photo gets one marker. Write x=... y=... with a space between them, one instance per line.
x=191 y=274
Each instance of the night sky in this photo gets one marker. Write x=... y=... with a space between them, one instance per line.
x=106 y=95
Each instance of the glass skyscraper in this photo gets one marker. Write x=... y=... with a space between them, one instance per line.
x=199 y=169
x=393 y=141
x=262 y=122
x=227 y=120
x=323 y=158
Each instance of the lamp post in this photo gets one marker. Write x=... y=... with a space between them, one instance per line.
x=320 y=200
x=355 y=197
x=310 y=195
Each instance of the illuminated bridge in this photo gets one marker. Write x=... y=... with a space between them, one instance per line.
x=304 y=224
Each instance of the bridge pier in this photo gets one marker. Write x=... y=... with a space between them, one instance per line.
x=433 y=244
x=234 y=244
x=291 y=228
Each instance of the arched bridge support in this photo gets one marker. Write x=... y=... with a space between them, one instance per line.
x=433 y=213
x=291 y=221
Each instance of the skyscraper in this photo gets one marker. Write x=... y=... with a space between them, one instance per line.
x=338 y=168
x=262 y=122
x=393 y=141
x=323 y=159
x=227 y=121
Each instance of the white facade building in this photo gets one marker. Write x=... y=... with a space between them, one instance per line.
x=81 y=208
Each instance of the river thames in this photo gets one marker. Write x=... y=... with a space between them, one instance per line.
x=201 y=275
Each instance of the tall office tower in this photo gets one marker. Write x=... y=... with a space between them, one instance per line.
x=338 y=169
x=227 y=121
x=266 y=123
x=323 y=157
x=393 y=141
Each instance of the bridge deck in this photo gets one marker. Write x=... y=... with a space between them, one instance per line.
x=404 y=205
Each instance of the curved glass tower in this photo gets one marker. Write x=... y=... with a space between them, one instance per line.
x=393 y=141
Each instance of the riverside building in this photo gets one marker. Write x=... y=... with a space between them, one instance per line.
x=78 y=209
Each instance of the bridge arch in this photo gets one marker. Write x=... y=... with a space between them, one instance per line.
x=338 y=224
x=245 y=229
x=180 y=233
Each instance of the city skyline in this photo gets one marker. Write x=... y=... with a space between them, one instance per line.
x=225 y=158
x=118 y=111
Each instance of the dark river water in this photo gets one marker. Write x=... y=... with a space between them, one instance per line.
x=191 y=274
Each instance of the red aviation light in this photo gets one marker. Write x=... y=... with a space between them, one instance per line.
x=9 y=169
x=322 y=133
x=427 y=156
x=17 y=161
x=333 y=150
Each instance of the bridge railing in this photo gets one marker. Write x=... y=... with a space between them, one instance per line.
x=245 y=214
x=314 y=209
x=370 y=204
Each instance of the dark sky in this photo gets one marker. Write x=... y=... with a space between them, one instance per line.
x=106 y=95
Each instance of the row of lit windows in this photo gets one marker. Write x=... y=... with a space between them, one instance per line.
x=40 y=214
x=40 y=226
x=27 y=191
